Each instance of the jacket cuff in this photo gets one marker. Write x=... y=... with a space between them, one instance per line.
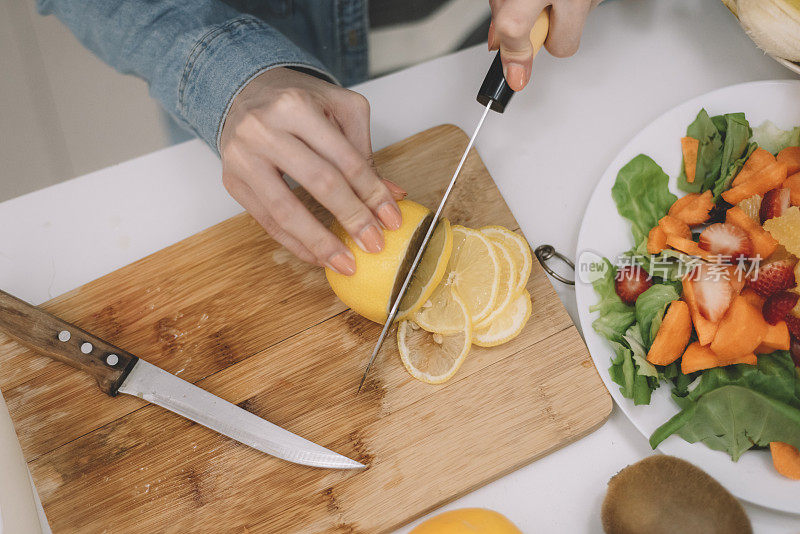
x=224 y=61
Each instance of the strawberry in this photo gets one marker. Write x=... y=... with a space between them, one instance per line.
x=778 y=305
x=793 y=322
x=630 y=282
x=727 y=241
x=775 y=202
x=713 y=292
x=773 y=277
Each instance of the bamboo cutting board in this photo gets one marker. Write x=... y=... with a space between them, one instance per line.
x=231 y=311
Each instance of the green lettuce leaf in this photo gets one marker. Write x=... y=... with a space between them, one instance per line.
x=651 y=304
x=669 y=265
x=642 y=196
x=709 y=154
x=738 y=407
x=771 y=138
x=623 y=371
x=639 y=352
x=614 y=315
x=725 y=180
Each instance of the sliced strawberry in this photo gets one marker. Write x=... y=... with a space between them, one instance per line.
x=727 y=241
x=793 y=322
x=773 y=277
x=631 y=281
x=778 y=305
x=713 y=291
x=775 y=202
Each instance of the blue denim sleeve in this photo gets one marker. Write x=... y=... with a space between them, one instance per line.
x=196 y=56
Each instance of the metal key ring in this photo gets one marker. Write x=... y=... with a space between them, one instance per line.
x=544 y=253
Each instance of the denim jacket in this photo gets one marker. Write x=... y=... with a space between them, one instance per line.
x=196 y=55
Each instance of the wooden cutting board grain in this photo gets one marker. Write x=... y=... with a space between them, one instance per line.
x=231 y=311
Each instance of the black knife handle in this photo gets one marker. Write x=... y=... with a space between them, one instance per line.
x=62 y=341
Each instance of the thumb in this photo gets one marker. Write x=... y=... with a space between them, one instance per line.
x=513 y=25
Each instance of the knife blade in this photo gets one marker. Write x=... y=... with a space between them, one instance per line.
x=494 y=94
x=117 y=371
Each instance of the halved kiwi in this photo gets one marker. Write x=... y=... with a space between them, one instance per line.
x=664 y=494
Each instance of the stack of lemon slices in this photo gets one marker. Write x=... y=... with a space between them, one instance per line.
x=470 y=288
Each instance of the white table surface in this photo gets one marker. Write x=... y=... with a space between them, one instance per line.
x=638 y=59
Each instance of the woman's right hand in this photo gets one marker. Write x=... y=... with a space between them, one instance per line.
x=288 y=122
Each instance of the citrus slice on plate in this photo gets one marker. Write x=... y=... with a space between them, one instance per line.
x=507 y=287
x=517 y=247
x=507 y=325
x=371 y=291
x=430 y=357
x=473 y=271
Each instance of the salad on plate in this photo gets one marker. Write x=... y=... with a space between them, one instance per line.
x=706 y=302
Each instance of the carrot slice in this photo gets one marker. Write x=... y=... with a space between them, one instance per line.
x=764 y=180
x=656 y=240
x=791 y=157
x=740 y=331
x=753 y=298
x=693 y=208
x=776 y=338
x=763 y=242
x=792 y=183
x=786 y=459
x=759 y=159
x=689 y=146
x=673 y=335
x=674 y=226
x=687 y=246
x=698 y=357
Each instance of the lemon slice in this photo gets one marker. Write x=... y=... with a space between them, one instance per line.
x=507 y=287
x=441 y=314
x=430 y=271
x=475 y=271
x=507 y=325
x=517 y=247
x=430 y=357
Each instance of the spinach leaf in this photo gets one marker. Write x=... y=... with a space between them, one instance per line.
x=738 y=407
x=642 y=196
x=709 y=154
x=736 y=134
x=615 y=316
x=651 y=304
x=724 y=181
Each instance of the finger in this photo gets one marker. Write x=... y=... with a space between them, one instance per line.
x=293 y=218
x=326 y=184
x=244 y=195
x=494 y=7
x=397 y=192
x=329 y=142
x=513 y=24
x=566 y=26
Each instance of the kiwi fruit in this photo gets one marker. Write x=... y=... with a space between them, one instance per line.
x=664 y=494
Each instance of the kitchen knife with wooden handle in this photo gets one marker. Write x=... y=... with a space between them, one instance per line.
x=494 y=94
x=117 y=371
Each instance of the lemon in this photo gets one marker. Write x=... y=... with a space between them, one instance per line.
x=378 y=277
x=440 y=314
x=467 y=521
x=507 y=286
x=507 y=325
x=517 y=247
x=431 y=357
x=476 y=271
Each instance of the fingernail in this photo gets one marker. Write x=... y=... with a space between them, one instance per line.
x=515 y=76
x=395 y=189
x=390 y=216
x=343 y=263
x=371 y=239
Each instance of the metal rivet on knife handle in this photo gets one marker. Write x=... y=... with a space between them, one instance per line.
x=112 y=360
x=64 y=336
x=86 y=348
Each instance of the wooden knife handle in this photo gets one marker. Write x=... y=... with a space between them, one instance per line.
x=65 y=342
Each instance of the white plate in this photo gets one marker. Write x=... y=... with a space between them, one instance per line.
x=604 y=231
